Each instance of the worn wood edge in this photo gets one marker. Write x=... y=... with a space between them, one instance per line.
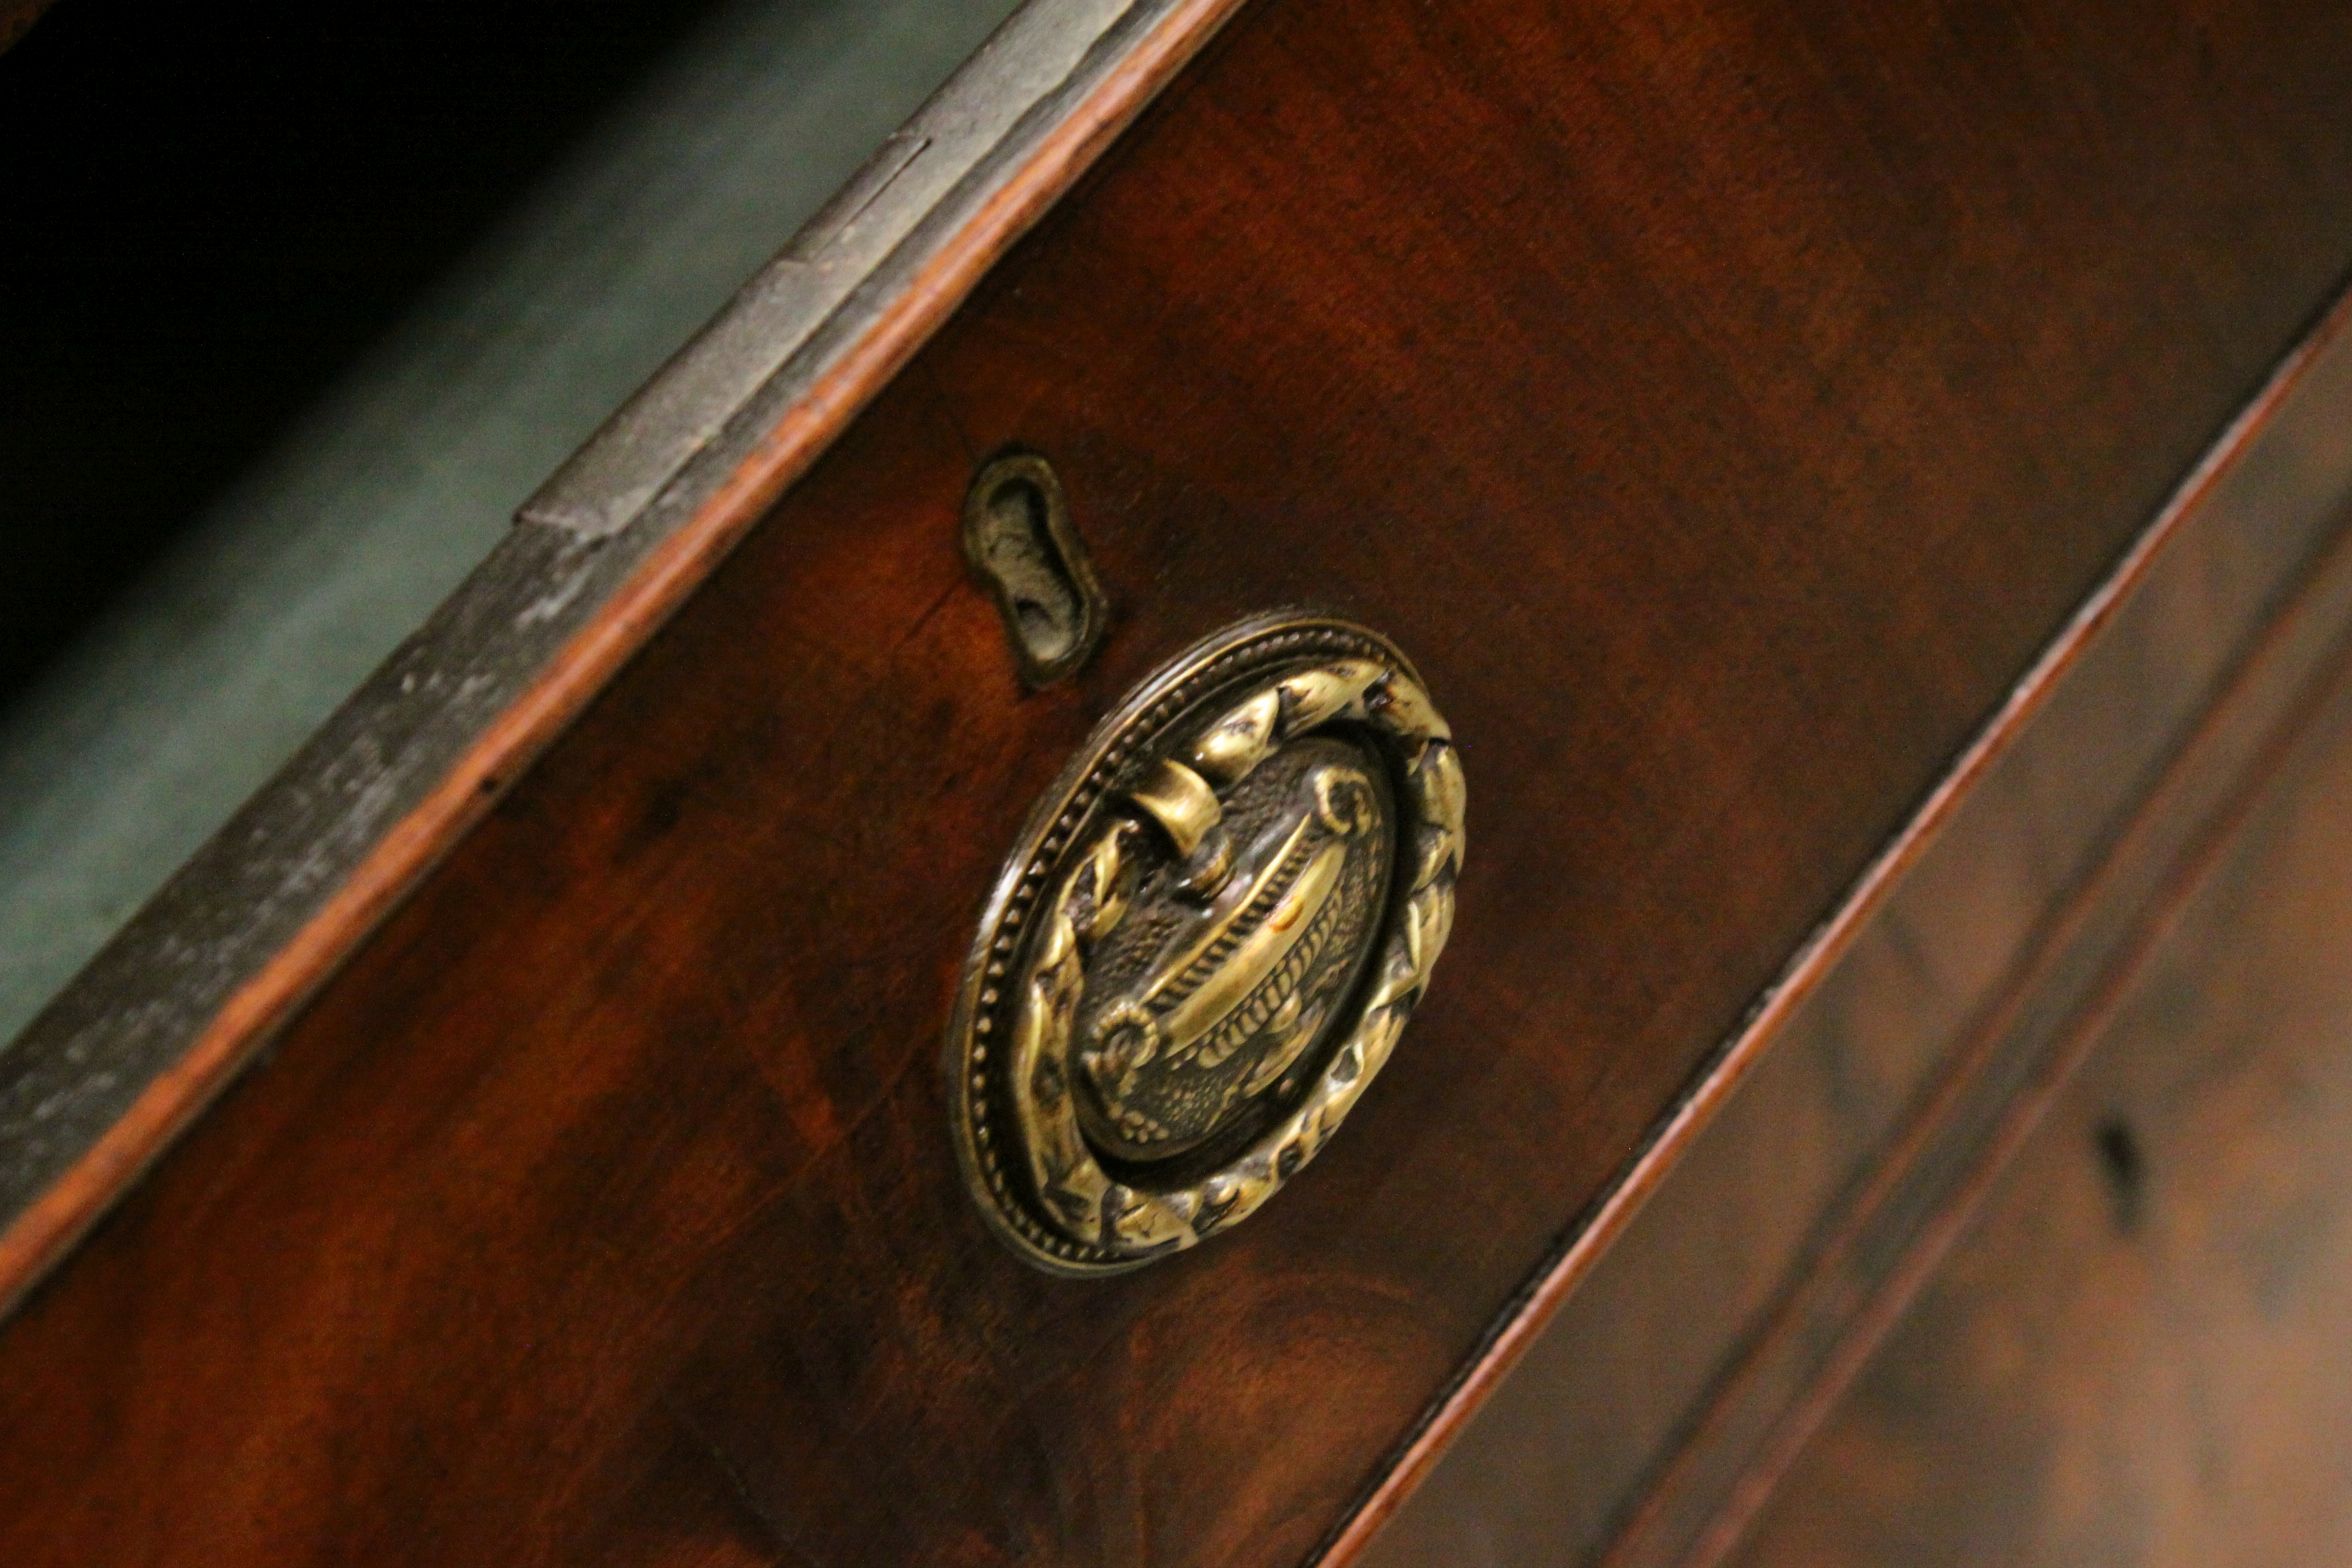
x=1593 y=1231
x=687 y=405
x=2210 y=774
x=1885 y=1306
x=186 y=995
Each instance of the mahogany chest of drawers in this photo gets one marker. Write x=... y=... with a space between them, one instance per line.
x=1866 y=488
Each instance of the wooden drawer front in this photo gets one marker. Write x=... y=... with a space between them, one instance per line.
x=1913 y=1050
x=2136 y=1347
x=1720 y=476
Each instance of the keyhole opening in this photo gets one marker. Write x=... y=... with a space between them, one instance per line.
x=1019 y=540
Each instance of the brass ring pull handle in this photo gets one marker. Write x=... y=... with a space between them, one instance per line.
x=1206 y=944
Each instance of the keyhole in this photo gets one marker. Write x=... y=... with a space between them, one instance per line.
x=1018 y=538
x=2126 y=1169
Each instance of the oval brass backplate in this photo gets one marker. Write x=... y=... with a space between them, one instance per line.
x=1205 y=944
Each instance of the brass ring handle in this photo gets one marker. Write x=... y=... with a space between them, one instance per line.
x=1206 y=944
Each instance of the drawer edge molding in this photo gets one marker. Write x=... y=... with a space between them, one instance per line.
x=2282 y=453
x=128 y=1055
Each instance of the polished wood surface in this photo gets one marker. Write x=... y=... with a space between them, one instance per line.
x=1653 y=1413
x=2136 y=1354
x=181 y=999
x=1722 y=408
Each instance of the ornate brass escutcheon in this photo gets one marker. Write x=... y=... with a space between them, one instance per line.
x=1206 y=943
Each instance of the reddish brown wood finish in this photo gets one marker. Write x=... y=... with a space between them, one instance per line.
x=212 y=966
x=1722 y=408
x=1855 y=1107
x=2137 y=1353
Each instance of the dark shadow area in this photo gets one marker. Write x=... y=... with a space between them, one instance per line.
x=2126 y=1170
x=207 y=211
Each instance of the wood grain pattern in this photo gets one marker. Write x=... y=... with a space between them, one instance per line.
x=179 y=1001
x=1722 y=407
x=2133 y=1356
x=1669 y=1388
